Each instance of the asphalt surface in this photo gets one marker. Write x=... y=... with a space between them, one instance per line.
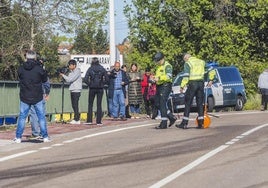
x=231 y=153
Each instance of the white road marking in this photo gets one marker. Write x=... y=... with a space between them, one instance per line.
x=17 y=155
x=229 y=143
x=203 y=158
x=72 y=140
x=45 y=148
x=188 y=167
x=235 y=140
x=69 y=141
x=56 y=145
x=164 y=181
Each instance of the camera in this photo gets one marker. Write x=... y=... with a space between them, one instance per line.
x=62 y=70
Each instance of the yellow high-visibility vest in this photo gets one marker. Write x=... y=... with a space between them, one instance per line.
x=195 y=70
x=164 y=73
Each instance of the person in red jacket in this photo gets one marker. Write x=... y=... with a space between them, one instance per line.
x=146 y=87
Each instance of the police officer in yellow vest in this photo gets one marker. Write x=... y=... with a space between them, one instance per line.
x=194 y=70
x=163 y=78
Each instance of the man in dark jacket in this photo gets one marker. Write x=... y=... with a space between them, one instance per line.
x=95 y=78
x=117 y=92
x=31 y=77
x=32 y=114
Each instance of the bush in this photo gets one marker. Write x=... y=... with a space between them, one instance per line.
x=253 y=102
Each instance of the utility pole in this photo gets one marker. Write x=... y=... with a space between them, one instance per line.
x=112 y=32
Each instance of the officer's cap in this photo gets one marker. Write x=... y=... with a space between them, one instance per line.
x=158 y=56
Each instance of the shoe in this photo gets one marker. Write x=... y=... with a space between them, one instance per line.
x=158 y=117
x=172 y=121
x=159 y=127
x=17 y=140
x=88 y=123
x=122 y=118
x=182 y=125
x=47 y=139
x=73 y=122
x=163 y=125
x=34 y=137
x=200 y=127
x=148 y=116
x=200 y=124
x=99 y=124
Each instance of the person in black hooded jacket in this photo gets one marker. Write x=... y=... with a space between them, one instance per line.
x=31 y=77
x=96 y=77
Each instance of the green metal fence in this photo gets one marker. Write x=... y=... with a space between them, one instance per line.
x=59 y=97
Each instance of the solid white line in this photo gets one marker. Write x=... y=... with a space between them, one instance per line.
x=72 y=140
x=69 y=141
x=117 y=130
x=253 y=130
x=188 y=167
x=16 y=155
x=56 y=145
x=201 y=159
x=44 y=148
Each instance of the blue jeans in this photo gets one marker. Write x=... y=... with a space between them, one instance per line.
x=135 y=108
x=24 y=110
x=118 y=104
x=34 y=119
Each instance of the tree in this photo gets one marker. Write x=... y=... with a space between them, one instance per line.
x=91 y=41
x=230 y=32
x=34 y=24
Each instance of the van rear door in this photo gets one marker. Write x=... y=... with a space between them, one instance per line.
x=230 y=77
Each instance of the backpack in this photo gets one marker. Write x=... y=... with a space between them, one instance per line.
x=96 y=79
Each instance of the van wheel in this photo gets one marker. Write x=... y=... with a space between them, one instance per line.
x=210 y=104
x=239 y=103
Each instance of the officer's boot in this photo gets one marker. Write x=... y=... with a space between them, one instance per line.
x=183 y=124
x=172 y=119
x=200 y=124
x=163 y=125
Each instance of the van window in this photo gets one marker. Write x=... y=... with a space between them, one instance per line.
x=229 y=75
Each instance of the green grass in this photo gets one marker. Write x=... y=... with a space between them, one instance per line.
x=253 y=102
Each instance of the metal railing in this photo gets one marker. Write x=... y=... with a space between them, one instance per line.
x=9 y=100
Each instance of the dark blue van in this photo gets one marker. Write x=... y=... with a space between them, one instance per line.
x=227 y=91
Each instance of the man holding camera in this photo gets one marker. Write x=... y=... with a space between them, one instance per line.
x=117 y=91
x=75 y=80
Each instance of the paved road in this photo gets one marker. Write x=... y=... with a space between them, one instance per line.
x=231 y=153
